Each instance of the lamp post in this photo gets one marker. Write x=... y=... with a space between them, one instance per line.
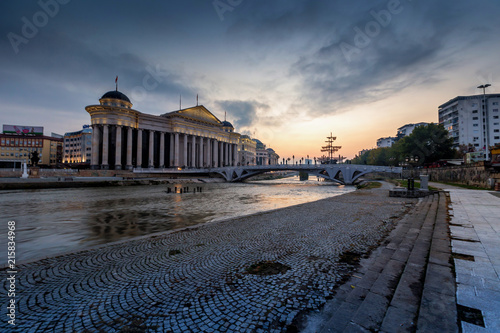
x=486 y=132
x=411 y=161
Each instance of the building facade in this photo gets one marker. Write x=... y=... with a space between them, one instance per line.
x=78 y=146
x=247 y=150
x=17 y=145
x=407 y=129
x=386 y=142
x=124 y=138
x=472 y=120
x=273 y=158
x=263 y=155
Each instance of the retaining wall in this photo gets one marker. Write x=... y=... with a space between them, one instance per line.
x=477 y=174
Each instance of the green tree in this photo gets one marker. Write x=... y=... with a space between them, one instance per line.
x=429 y=143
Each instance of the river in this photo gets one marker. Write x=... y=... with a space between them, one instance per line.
x=55 y=221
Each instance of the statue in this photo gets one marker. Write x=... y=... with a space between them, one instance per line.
x=34 y=159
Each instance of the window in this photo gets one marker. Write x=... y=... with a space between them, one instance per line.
x=474 y=111
x=475 y=125
x=495 y=117
x=496 y=138
x=475 y=118
x=476 y=145
x=495 y=103
x=495 y=110
x=496 y=131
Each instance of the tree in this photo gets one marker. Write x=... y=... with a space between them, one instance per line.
x=430 y=143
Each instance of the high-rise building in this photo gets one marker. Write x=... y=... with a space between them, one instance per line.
x=386 y=142
x=78 y=146
x=473 y=120
x=407 y=129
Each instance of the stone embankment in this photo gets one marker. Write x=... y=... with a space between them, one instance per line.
x=250 y=274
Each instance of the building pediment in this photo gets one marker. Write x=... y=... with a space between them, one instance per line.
x=196 y=113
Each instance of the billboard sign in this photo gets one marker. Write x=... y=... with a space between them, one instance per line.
x=22 y=130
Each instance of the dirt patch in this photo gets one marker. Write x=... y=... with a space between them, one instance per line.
x=267 y=268
x=463 y=256
x=470 y=315
x=350 y=258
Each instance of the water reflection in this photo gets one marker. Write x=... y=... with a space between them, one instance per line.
x=54 y=221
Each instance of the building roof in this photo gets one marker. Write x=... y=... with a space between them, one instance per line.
x=227 y=124
x=460 y=98
x=115 y=94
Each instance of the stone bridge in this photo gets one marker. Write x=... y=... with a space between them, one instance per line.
x=345 y=174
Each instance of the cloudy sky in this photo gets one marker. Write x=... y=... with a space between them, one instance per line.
x=288 y=72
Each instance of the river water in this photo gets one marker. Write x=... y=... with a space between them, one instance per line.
x=55 y=221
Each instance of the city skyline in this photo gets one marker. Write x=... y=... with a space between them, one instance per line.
x=287 y=73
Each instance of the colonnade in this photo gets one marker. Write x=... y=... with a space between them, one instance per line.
x=122 y=147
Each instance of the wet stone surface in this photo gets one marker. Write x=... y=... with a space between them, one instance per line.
x=197 y=280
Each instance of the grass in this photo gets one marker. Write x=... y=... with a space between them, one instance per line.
x=404 y=183
x=369 y=185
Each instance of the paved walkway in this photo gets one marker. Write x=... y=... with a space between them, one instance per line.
x=475 y=232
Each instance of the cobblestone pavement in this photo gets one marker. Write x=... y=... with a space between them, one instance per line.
x=195 y=280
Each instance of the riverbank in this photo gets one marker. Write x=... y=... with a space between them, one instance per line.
x=76 y=182
x=199 y=279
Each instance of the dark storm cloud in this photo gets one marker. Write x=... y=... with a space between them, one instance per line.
x=380 y=55
x=244 y=113
x=364 y=51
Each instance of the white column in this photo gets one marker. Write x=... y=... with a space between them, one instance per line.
x=226 y=154
x=151 y=161
x=185 y=162
x=105 y=146
x=200 y=158
x=176 y=150
x=162 y=150
x=139 y=148
x=171 y=157
x=118 y=152
x=209 y=153
x=216 y=153
x=95 y=147
x=193 y=151
x=129 y=149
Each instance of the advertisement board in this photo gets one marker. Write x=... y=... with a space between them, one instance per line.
x=22 y=130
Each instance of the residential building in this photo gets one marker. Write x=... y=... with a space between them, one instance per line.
x=78 y=146
x=470 y=120
x=386 y=142
x=407 y=129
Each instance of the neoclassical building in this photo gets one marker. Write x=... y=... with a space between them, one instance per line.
x=124 y=138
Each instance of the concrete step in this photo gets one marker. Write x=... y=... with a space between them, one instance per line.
x=365 y=303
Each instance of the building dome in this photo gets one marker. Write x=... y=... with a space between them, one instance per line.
x=115 y=94
x=227 y=124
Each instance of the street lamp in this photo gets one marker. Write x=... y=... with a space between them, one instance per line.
x=411 y=161
x=486 y=132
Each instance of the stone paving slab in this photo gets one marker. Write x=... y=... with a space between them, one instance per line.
x=477 y=213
